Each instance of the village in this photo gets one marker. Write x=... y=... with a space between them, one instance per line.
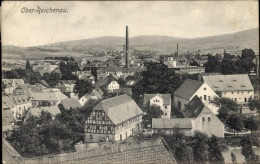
x=119 y=108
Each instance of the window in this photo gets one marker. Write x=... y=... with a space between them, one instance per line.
x=235 y=99
x=103 y=118
x=232 y=92
x=97 y=127
x=209 y=119
x=91 y=137
x=88 y=127
x=209 y=97
x=165 y=107
x=205 y=97
x=165 y=114
x=205 y=88
x=200 y=97
x=108 y=128
x=203 y=119
x=245 y=99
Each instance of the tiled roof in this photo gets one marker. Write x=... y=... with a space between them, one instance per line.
x=166 y=98
x=12 y=100
x=120 y=108
x=71 y=103
x=170 y=123
x=194 y=108
x=9 y=154
x=49 y=96
x=188 y=88
x=54 y=110
x=149 y=151
x=237 y=82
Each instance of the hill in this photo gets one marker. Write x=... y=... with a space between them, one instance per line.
x=233 y=43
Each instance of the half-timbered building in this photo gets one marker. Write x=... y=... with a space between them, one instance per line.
x=113 y=119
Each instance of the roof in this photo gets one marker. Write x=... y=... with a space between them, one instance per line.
x=7 y=120
x=49 y=96
x=71 y=103
x=147 y=151
x=127 y=91
x=100 y=83
x=54 y=110
x=166 y=98
x=9 y=154
x=170 y=123
x=194 y=108
x=12 y=100
x=119 y=109
x=188 y=88
x=236 y=82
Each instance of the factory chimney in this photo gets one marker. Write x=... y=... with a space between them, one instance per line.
x=177 y=50
x=127 y=49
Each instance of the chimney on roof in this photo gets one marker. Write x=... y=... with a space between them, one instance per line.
x=126 y=49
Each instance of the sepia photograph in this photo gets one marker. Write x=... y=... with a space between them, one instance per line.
x=130 y=82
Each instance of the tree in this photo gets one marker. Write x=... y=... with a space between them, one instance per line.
x=157 y=78
x=213 y=64
x=235 y=122
x=179 y=146
x=152 y=111
x=250 y=124
x=248 y=151
x=215 y=155
x=254 y=104
x=94 y=72
x=194 y=63
x=82 y=87
x=200 y=147
x=121 y=82
x=226 y=106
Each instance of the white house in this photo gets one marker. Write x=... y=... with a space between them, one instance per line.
x=17 y=104
x=197 y=117
x=112 y=85
x=190 y=88
x=237 y=87
x=95 y=94
x=161 y=100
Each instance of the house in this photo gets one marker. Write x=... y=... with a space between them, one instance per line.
x=114 y=119
x=72 y=103
x=95 y=95
x=197 y=117
x=11 y=84
x=112 y=86
x=237 y=87
x=48 y=97
x=44 y=67
x=190 y=88
x=17 y=104
x=161 y=100
x=27 y=89
x=8 y=121
x=36 y=111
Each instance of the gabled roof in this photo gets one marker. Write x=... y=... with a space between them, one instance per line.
x=54 y=110
x=12 y=100
x=170 y=123
x=71 y=103
x=237 y=82
x=188 y=88
x=49 y=96
x=166 y=98
x=194 y=108
x=119 y=109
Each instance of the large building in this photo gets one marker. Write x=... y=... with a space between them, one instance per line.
x=189 y=89
x=113 y=119
x=161 y=100
x=197 y=117
x=237 y=87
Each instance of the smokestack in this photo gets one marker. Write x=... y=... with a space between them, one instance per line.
x=177 y=50
x=127 y=49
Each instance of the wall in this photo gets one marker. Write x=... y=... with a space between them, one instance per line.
x=214 y=126
x=239 y=96
x=98 y=137
x=182 y=100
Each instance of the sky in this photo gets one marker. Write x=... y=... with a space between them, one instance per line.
x=185 y=19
